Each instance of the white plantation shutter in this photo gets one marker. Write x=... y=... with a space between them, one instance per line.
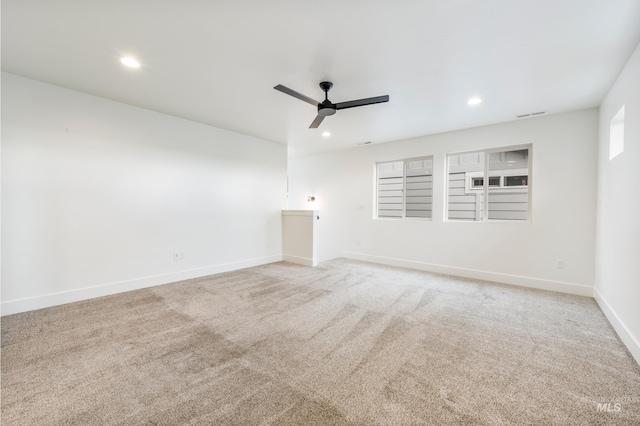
x=419 y=192
x=405 y=188
x=511 y=200
x=508 y=172
x=390 y=189
x=463 y=204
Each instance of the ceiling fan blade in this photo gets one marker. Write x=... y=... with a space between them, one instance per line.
x=317 y=122
x=362 y=102
x=295 y=94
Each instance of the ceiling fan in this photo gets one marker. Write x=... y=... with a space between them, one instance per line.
x=326 y=107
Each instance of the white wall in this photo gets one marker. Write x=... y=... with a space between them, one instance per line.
x=563 y=208
x=618 y=229
x=97 y=195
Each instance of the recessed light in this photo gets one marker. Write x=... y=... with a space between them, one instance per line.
x=130 y=62
x=326 y=134
x=474 y=101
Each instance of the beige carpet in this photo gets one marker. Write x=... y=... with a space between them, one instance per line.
x=344 y=343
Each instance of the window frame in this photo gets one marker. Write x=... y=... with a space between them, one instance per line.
x=485 y=174
x=377 y=178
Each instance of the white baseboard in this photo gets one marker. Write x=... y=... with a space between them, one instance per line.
x=306 y=261
x=46 y=300
x=559 y=286
x=627 y=337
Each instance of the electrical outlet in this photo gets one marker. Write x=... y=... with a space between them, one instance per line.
x=560 y=263
x=181 y=255
x=176 y=255
x=358 y=242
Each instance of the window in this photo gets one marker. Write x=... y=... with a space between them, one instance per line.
x=616 y=134
x=508 y=173
x=516 y=180
x=478 y=183
x=405 y=188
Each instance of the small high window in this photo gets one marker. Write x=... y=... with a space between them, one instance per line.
x=616 y=134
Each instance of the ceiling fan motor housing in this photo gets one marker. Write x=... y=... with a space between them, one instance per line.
x=326 y=108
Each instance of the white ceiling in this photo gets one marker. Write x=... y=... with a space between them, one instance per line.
x=216 y=62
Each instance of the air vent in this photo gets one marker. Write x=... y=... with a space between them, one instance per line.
x=531 y=114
